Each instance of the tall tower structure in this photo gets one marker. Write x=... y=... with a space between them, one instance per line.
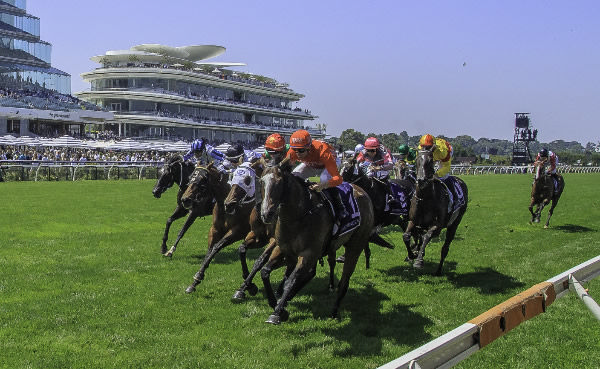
x=524 y=134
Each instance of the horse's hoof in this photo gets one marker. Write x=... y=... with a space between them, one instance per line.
x=545 y=227
x=284 y=315
x=252 y=289
x=168 y=254
x=273 y=319
x=341 y=259
x=418 y=264
x=238 y=296
x=190 y=289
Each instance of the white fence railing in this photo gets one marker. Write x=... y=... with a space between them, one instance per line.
x=61 y=171
x=460 y=343
x=510 y=169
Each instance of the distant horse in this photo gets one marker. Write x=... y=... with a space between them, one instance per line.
x=303 y=233
x=207 y=183
x=544 y=191
x=176 y=170
x=431 y=209
x=353 y=172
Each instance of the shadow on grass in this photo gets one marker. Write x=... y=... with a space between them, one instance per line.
x=369 y=327
x=487 y=280
x=573 y=228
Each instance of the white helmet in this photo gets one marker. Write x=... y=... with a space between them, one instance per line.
x=358 y=148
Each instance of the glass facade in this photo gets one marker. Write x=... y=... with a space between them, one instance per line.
x=25 y=23
x=31 y=52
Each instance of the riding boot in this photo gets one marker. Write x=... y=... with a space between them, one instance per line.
x=392 y=202
x=340 y=209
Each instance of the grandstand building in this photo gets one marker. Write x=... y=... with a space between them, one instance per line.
x=172 y=92
x=35 y=97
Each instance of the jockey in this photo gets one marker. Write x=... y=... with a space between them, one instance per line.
x=317 y=158
x=442 y=153
x=358 y=149
x=407 y=154
x=275 y=150
x=275 y=147
x=547 y=155
x=198 y=147
x=235 y=156
x=377 y=157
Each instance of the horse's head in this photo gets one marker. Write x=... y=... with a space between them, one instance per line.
x=272 y=185
x=242 y=186
x=199 y=189
x=170 y=172
x=540 y=169
x=425 y=165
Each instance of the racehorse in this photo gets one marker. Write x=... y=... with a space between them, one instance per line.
x=353 y=172
x=303 y=233
x=431 y=209
x=205 y=184
x=176 y=170
x=543 y=191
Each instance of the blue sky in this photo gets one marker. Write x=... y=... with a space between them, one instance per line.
x=440 y=67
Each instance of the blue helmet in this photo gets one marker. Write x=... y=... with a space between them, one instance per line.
x=198 y=145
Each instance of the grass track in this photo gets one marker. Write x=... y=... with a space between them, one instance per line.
x=82 y=284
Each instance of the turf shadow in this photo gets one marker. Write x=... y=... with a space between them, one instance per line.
x=369 y=326
x=488 y=280
x=573 y=228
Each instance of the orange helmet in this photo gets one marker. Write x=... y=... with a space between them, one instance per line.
x=427 y=140
x=300 y=139
x=275 y=142
x=372 y=143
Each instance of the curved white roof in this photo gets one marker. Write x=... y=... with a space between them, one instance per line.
x=156 y=53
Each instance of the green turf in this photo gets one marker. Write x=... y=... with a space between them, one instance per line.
x=82 y=284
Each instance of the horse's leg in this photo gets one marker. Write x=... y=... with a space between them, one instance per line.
x=352 y=255
x=554 y=201
x=188 y=223
x=275 y=261
x=179 y=212
x=450 y=233
x=419 y=260
x=367 y=256
x=227 y=240
x=531 y=205
x=331 y=261
x=304 y=271
x=258 y=264
x=286 y=275
x=406 y=237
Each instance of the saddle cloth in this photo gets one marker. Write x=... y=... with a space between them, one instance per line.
x=350 y=222
x=401 y=195
x=457 y=197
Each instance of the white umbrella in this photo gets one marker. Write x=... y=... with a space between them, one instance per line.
x=7 y=140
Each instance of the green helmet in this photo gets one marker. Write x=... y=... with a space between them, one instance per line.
x=403 y=149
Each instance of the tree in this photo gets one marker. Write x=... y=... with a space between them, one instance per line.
x=350 y=138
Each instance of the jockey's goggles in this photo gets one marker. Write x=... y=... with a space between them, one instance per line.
x=371 y=150
x=300 y=150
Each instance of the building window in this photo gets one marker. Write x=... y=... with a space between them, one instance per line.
x=13 y=126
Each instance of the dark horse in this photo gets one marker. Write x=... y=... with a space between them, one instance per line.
x=377 y=190
x=544 y=191
x=303 y=233
x=207 y=183
x=429 y=209
x=176 y=170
